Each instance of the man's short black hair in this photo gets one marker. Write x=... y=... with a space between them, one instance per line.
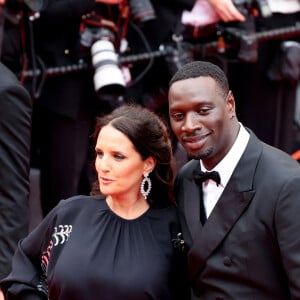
x=202 y=69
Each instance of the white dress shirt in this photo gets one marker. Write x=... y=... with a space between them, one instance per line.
x=212 y=192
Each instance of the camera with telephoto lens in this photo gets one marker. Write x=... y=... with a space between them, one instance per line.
x=99 y=36
x=108 y=77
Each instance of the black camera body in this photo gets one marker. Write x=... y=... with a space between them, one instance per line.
x=100 y=40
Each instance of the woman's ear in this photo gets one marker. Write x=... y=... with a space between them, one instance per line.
x=149 y=165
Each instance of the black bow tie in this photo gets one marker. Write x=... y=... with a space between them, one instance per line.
x=200 y=176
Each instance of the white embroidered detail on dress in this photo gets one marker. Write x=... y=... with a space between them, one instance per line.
x=42 y=285
x=61 y=234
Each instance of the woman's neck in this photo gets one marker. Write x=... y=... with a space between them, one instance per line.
x=128 y=208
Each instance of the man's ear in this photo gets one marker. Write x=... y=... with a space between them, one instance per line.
x=231 y=104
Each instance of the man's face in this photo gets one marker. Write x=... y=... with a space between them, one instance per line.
x=201 y=118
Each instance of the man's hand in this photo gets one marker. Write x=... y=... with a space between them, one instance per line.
x=226 y=10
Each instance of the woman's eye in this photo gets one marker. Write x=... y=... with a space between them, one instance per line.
x=119 y=156
x=99 y=153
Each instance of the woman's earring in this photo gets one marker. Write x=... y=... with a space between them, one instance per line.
x=146 y=186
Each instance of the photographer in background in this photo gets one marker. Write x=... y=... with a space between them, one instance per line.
x=64 y=105
x=151 y=89
x=64 y=108
x=15 y=138
x=15 y=131
x=259 y=91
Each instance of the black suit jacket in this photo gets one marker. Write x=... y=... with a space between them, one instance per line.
x=249 y=245
x=15 y=133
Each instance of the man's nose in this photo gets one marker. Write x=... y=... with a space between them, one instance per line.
x=192 y=121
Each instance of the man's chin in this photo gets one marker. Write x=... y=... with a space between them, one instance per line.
x=199 y=154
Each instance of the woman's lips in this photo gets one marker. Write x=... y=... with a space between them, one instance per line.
x=105 y=180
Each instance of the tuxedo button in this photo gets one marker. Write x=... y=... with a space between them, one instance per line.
x=227 y=261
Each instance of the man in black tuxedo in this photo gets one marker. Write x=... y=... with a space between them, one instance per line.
x=15 y=134
x=241 y=232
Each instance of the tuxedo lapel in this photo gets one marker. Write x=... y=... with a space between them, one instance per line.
x=233 y=202
x=219 y=223
x=192 y=207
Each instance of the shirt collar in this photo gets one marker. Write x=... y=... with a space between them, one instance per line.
x=227 y=165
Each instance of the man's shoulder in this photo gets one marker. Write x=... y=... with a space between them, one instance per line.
x=270 y=159
x=9 y=81
x=187 y=169
x=7 y=76
x=278 y=159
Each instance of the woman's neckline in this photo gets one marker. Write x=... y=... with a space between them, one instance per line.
x=135 y=216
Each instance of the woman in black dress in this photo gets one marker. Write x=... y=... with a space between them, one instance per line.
x=123 y=241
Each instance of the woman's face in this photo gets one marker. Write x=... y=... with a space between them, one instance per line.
x=119 y=166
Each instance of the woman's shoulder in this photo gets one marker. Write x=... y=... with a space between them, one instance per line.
x=78 y=203
x=167 y=214
x=165 y=224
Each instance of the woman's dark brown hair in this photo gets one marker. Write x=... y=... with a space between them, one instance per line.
x=150 y=137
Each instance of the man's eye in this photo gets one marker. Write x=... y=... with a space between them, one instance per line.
x=204 y=110
x=177 y=116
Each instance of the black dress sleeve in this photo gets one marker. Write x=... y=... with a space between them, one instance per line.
x=27 y=279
